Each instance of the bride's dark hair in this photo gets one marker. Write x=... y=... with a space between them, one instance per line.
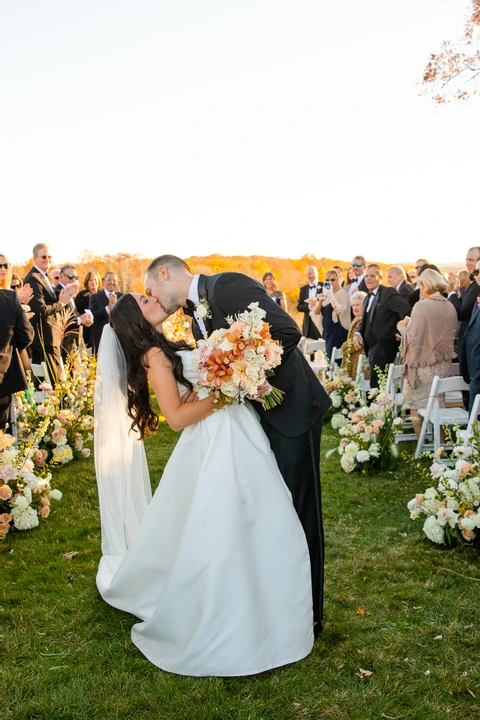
x=136 y=336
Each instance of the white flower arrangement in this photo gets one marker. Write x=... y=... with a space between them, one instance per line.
x=202 y=308
x=452 y=503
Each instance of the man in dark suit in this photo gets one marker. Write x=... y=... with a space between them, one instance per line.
x=358 y=283
x=382 y=309
x=294 y=427
x=100 y=305
x=308 y=295
x=48 y=319
x=16 y=333
x=72 y=320
x=466 y=304
x=470 y=356
x=397 y=279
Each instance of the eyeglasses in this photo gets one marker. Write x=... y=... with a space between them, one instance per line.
x=46 y=257
x=72 y=277
x=56 y=277
x=14 y=287
x=357 y=264
x=5 y=265
x=476 y=273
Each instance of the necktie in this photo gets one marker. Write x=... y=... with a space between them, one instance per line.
x=189 y=308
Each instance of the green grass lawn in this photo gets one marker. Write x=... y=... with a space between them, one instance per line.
x=67 y=654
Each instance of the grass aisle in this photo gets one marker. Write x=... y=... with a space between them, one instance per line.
x=394 y=607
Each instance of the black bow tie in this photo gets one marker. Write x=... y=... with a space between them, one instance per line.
x=189 y=308
x=371 y=294
x=312 y=287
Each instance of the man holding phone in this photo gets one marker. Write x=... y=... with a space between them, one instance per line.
x=307 y=301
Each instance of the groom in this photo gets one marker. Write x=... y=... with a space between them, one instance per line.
x=294 y=427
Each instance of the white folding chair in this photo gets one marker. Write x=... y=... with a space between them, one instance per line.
x=360 y=379
x=40 y=371
x=454 y=399
x=467 y=434
x=435 y=416
x=13 y=420
x=337 y=354
x=394 y=388
x=317 y=349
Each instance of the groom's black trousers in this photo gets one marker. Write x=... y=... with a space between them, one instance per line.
x=299 y=461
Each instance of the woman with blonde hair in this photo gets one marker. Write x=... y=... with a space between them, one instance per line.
x=427 y=345
x=331 y=313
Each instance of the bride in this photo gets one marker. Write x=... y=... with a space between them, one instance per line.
x=216 y=564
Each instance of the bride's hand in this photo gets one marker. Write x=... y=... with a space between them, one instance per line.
x=189 y=396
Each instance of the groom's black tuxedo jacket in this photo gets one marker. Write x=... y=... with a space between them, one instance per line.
x=305 y=400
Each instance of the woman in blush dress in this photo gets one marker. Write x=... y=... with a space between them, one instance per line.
x=427 y=345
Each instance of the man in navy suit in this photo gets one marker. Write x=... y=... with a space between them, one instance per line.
x=471 y=347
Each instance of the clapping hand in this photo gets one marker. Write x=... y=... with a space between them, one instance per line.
x=24 y=294
x=112 y=300
x=452 y=282
x=67 y=293
x=86 y=319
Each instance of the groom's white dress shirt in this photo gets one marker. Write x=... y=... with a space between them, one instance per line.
x=194 y=297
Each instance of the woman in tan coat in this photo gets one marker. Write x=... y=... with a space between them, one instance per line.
x=427 y=346
x=350 y=355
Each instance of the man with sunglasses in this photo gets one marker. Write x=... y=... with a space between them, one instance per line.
x=358 y=283
x=48 y=310
x=72 y=319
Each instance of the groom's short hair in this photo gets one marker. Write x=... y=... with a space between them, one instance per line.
x=172 y=262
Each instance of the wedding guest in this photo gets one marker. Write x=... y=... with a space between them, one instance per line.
x=382 y=309
x=100 y=305
x=463 y=282
x=465 y=305
x=415 y=295
x=91 y=285
x=270 y=286
x=47 y=321
x=73 y=319
x=359 y=265
x=16 y=282
x=471 y=346
x=350 y=278
x=16 y=334
x=331 y=313
x=307 y=300
x=427 y=345
x=412 y=276
x=54 y=276
x=350 y=355
x=24 y=292
x=397 y=279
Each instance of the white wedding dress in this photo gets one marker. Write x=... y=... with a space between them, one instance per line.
x=218 y=569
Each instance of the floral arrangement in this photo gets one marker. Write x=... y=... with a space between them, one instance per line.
x=177 y=329
x=451 y=505
x=368 y=434
x=24 y=497
x=234 y=362
x=60 y=427
x=344 y=393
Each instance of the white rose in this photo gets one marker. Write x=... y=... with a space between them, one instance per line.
x=434 y=531
x=21 y=503
x=56 y=494
x=468 y=523
x=201 y=311
x=398 y=421
x=362 y=456
x=351 y=449
x=348 y=463
x=338 y=420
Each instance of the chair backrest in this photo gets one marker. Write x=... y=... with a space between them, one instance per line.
x=312 y=346
x=455 y=369
x=360 y=363
x=394 y=376
x=472 y=418
x=450 y=384
x=40 y=371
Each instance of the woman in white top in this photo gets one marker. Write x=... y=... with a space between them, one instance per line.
x=331 y=313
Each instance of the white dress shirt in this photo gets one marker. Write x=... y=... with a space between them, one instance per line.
x=312 y=291
x=371 y=299
x=355 y=284
x=194 y=297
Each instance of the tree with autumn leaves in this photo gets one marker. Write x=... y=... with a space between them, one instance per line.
x=453 y=73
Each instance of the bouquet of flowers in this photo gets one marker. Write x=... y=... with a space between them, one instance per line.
x=234 y=363
x=452 y=502
x=61 y=425
x=368 y=434
x=24 y=497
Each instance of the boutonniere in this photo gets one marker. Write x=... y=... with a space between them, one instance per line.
x=202 y=308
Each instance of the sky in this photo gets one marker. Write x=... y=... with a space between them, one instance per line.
x=268 y=127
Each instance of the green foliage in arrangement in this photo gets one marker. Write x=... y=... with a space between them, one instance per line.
x=401 y=631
